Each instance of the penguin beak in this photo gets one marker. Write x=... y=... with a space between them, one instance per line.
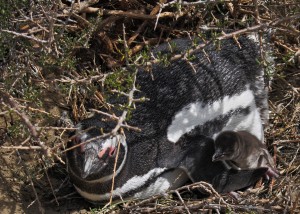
x=96 y=159
x=89 y=162
x=217 y=157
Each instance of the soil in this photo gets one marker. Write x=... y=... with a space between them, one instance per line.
x=18 y=196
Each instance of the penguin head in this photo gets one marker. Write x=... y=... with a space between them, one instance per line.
x=94 y=157
x=225 y=146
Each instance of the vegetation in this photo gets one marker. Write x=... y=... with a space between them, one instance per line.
x=59 y=59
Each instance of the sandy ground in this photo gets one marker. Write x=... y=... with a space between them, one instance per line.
x=17 y=195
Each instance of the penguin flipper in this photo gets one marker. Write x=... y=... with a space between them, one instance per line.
x=232 y=180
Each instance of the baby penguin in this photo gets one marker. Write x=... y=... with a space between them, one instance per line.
x=242 y=150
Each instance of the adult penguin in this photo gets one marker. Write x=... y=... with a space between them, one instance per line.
x=188 y=103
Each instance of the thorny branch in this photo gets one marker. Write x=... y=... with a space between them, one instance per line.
x=14 y=106
x=270 y=24
x=120 y=120
x=185 y=3
x=24 y=36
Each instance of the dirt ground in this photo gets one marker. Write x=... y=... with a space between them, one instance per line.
x=18 y=196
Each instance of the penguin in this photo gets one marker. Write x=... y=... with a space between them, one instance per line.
x=143 y=171
x=193 y=154
x=242 y=150
x=188 y=103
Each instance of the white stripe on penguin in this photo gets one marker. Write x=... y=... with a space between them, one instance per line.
x=132 y=184
x=199 y=113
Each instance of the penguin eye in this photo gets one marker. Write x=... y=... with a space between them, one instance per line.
x=77 y=140
x=229 y=152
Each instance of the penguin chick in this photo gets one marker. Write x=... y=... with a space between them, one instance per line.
x=242 y=150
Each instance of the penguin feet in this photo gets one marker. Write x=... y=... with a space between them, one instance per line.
x=235 y=196
x=271 y=173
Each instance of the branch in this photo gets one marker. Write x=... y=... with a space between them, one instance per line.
x=113 y=117
x=198 y=185
x=83 y=80
x=32 y=129
x=180 y=198
x=22 y=147
x=25 y=36
x=227 y=36
x=180 y=2
x=81 y=6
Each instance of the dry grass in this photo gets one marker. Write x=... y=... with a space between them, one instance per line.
x=54 y=59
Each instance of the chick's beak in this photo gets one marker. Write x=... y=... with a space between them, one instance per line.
x=217 y=157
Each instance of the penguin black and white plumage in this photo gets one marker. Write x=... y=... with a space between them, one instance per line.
x=190 y=103
x=243 y=151
x=144 y=171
